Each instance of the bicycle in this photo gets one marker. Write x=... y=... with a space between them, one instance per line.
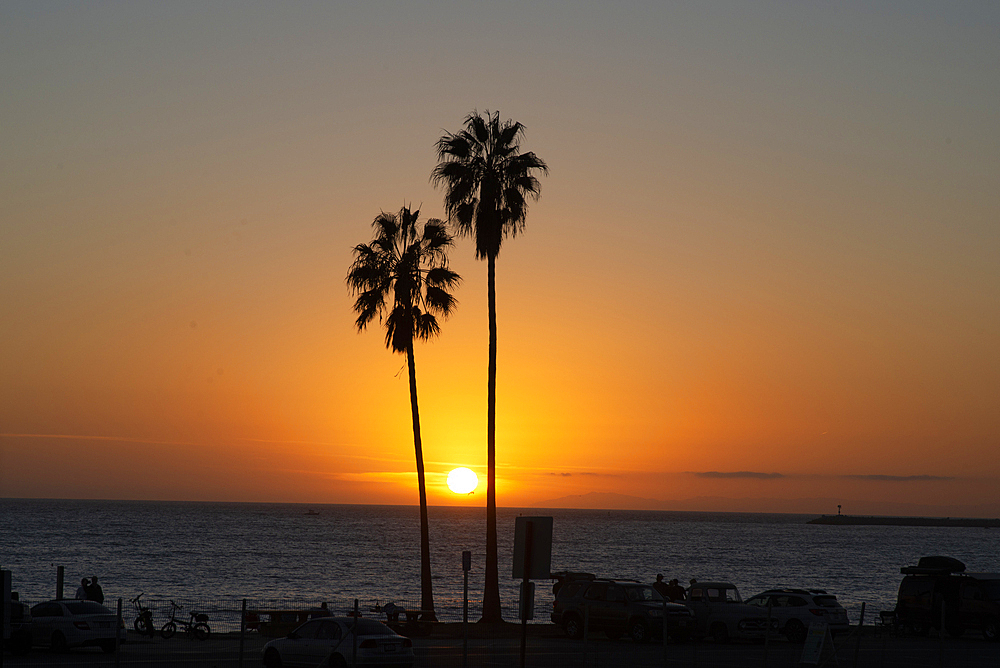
x=143 y=623
x=196 y=626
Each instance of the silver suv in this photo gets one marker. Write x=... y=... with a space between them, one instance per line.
x=722 y=614
x=617 y=607
x=796 y=609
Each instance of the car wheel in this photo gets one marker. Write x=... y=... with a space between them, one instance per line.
x=719 y=633
x=338 y=661
x=991 y=630
x=108 y=646
x=201 y=631
x=573 y=628
x=59 y=643
x=168 y=630
x=272 y=659
x=795 y=631
x=955 y=630
x=638 y=631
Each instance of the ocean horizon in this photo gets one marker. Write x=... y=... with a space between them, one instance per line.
x=193 y=552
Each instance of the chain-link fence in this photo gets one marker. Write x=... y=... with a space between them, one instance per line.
x=238 y=630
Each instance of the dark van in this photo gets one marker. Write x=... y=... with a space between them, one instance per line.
x=937 y=593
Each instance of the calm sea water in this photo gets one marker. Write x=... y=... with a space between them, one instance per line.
x=198 y=552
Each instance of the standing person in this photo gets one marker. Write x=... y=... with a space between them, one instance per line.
x=81 y=591
x=675 y=592
x=94 y=591
x=661 y=587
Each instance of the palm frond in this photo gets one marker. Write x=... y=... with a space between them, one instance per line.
x=439 y=300
x=402 y=271
x=425 y=327
x=443 y=277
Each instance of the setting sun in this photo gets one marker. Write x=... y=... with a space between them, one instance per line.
x=463 y=481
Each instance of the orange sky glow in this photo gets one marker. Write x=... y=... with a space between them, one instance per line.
x=761 y=275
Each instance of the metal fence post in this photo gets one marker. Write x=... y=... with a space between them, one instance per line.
x=354 y=636
x=243 y=631
x=664 y=632
x=857 y=644
x=118 y=635
x=941 y=638
x=466 y=567
x=767 y=633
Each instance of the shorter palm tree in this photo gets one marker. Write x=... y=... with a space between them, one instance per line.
x=402 y=278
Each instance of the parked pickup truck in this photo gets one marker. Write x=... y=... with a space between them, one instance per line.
x=720 y=613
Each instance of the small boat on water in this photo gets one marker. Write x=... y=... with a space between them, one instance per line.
x=312 y=512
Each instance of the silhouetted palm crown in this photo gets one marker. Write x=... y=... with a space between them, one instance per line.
x=486 y=180
x=409 y=267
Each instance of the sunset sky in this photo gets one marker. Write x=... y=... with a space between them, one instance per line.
x=764 y=264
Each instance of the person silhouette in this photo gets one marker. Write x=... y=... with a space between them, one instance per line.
x=94 y=591
x=675 y=592
x=81 y=591
x=660 y=586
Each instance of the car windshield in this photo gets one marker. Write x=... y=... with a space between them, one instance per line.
x=826 y=601
x=87 y=608
x=643 y=594
x=723 y=595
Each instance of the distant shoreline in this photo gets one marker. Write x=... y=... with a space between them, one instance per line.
x=856 y=520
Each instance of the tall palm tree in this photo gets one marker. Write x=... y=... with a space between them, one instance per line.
x=487 y=183
x=402 y=278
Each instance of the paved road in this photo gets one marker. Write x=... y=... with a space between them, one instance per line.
x=554 y=651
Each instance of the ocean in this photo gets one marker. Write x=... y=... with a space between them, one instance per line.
x=198 y=552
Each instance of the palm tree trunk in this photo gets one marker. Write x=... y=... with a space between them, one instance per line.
x=426 y=594
x=491 y=590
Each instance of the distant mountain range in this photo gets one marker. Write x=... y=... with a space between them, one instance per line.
x=808 y=506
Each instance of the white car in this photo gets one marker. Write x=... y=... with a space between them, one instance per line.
x=796 y=609
x=332 y=641
x=61 y=625
x=721 y=614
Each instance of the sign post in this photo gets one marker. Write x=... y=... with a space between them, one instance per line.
x=4 y=613
x=532 y=559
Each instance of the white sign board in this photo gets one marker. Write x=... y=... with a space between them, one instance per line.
x=813 y=647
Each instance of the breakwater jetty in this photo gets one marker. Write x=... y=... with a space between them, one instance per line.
x=877 y=520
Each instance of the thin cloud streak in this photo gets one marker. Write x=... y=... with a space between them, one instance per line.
x=83 y=437
x=565 y=474
x=146 y=441
x=900 y=478
x=754 y=475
